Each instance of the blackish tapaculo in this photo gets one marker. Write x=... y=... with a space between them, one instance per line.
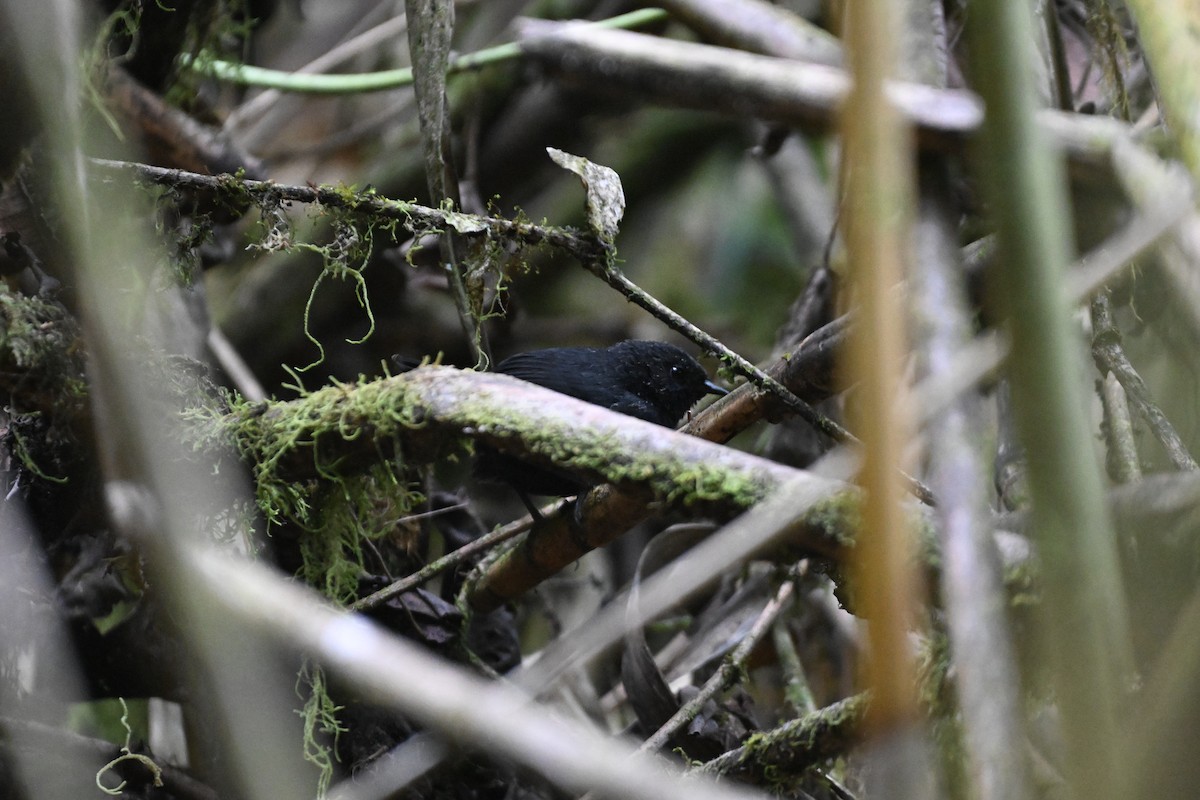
x=653 y=381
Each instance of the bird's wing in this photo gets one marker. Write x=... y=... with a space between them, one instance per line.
x=540 y=370
x=599 y=385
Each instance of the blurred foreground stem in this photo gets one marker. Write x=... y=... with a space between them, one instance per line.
x=1085 y=630
x=879 y=187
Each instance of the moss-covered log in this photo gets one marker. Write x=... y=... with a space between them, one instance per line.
x=427 y=414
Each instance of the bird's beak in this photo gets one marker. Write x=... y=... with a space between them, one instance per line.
x=715 y=389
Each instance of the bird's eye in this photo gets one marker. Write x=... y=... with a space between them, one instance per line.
x=675 y=370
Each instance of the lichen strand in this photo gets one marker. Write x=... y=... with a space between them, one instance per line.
x=348 y=502
x=40 y=340
x=347 y=513
x=42 y=382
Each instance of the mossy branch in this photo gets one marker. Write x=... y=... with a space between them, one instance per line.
x=237 y=191
x=796 y=745
x=428 y=412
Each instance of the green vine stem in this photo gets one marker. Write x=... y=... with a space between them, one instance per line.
x=301 y=83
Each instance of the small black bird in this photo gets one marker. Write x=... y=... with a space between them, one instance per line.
x=653 y=381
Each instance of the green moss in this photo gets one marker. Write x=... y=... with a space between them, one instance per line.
x=300 y=480
x=938 y=697
x=43 y=381
x=1021 y=583
x=41 y=339
x=776 y=759
x=320 y=722
x=679 y=483
x=839 y=517
x=350 y=512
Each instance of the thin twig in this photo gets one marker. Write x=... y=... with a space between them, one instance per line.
x=971 y=582
x=795 y=745
x=987 y=353
x=578 y=245
x=725 y=674
x=1123 y=463
x=260 y=105
x=453 y=559
x=1110 y=357
x=796 y=691
x=610 y=274
x=231 y=361
x=431 y=25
